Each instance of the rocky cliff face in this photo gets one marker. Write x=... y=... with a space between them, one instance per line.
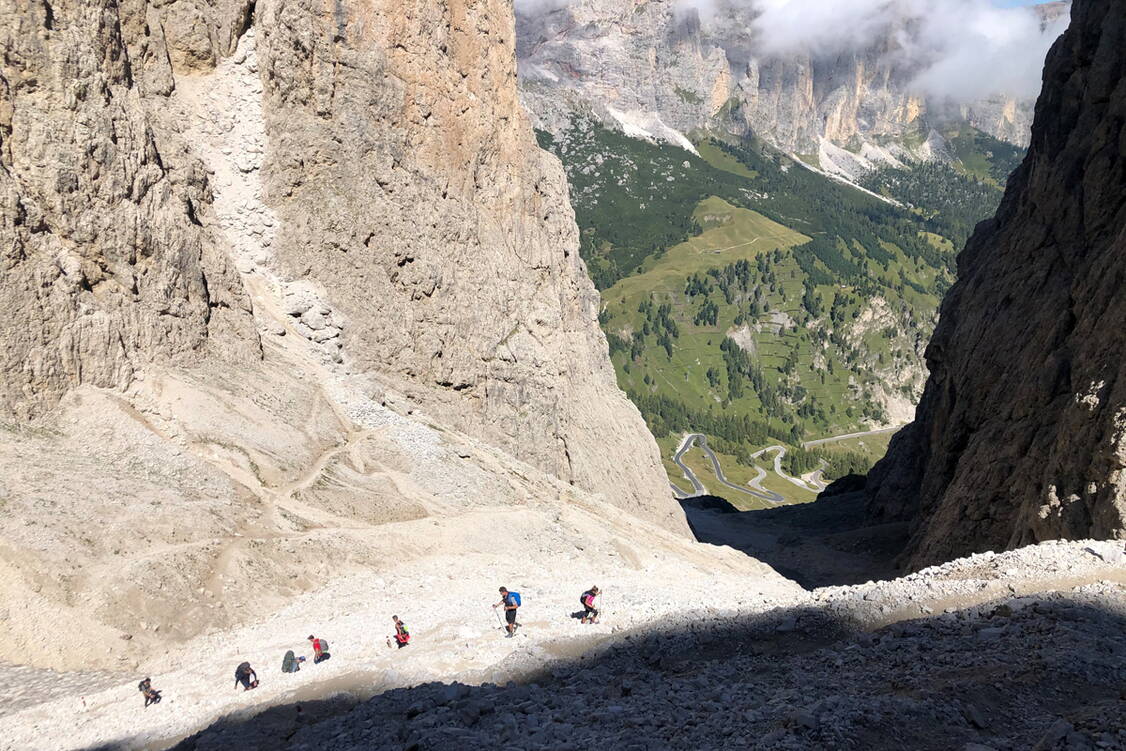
x=403 y=186
x=405 y=173
x=1021 y=433
x=654 y=68
x=108 y=262
x=277 y=279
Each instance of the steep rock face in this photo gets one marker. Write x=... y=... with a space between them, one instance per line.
x=411 y=190
x=1021 y=433
x=651 y=66
x=392 y=196
x=290 y=295
x=107 y=265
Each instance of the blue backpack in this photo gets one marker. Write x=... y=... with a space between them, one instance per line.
x=513 y=599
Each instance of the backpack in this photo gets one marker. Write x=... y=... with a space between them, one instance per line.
x=514 y=598
x=243 y=669
x=324 y=644
x=289 y=663
x=587 y=599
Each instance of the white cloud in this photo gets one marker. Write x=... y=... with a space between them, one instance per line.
x=705 y=8
x=963 y=49
x=826 y=26
x=985 y=51
x=535 y=7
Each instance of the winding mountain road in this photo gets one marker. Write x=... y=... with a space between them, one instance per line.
x=779 y=455
x=755 y=489
x=833 y=439
x=813 y=481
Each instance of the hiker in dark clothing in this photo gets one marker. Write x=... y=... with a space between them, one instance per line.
x=320 y=649
x=587 y=599
x=243 y=675
x=402 y=634
x=510 y=601
x=152 y=696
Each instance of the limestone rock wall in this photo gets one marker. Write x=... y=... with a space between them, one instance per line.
x=107 y=260
x=410 y=188
x=654 y=65
x=390 y=166
x=1021 y=433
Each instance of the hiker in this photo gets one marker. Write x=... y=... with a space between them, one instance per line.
x=402 y=633
x=510 y=601
x=243 y=675
x=291 y=663
x=587 y=599
x=152 y=696
x=320 y=649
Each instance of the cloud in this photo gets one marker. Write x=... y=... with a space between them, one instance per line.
x=959 y=50
x=825 y=26
x=986 y=51
x=706 y=9
x=537 y=7
x=963 y=50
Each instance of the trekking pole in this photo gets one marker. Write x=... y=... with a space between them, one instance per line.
x=498 y=617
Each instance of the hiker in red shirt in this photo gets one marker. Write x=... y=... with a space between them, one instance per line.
x=402 y=634
x=320 y=649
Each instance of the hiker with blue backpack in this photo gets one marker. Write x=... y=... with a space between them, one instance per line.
x=510 y=601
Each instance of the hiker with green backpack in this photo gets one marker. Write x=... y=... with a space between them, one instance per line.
x=510 y=601
x=291 y=663
x=402 y=633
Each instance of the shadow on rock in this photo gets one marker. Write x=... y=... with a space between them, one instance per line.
x=1045 y=672
x=828 y=542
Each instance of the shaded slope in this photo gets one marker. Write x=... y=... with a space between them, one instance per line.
x=1021 y=433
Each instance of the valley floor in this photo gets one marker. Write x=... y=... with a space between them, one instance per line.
x=1001 y=650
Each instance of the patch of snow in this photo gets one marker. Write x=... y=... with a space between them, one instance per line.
x=797 y=160
x=880 y=156
x=650 y=127
x=842 y=162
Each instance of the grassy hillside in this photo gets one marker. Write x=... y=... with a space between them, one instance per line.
x=756 y=301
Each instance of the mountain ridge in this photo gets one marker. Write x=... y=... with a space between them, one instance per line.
x=659 y=70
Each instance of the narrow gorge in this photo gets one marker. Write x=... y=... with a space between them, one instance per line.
x=1021 y=433
x=298 y=336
